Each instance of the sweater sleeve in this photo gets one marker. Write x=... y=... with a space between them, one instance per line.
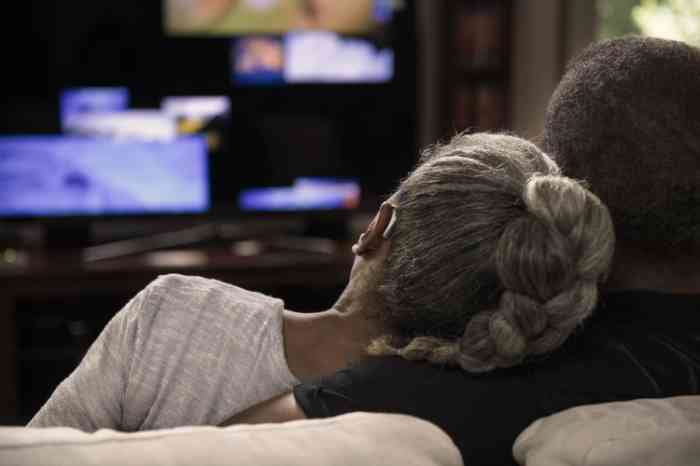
x=90 y=398
x=185 y=351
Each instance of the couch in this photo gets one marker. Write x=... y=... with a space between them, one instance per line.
x=648 y=432
x=350 y=439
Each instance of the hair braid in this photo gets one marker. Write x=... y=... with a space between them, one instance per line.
x=549 y=263
x=495 y=256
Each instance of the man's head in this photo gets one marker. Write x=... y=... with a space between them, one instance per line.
x=626 y=118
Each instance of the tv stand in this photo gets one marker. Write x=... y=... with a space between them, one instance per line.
x=68 y=235
x=183 y=237
x=243 y=237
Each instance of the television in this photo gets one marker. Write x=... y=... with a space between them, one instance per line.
x=59 y=176
x=339 y=138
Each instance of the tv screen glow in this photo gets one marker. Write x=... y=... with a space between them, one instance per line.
x=53 y=176
x=317 y=57
x=146 y=124
x=195 y=107
x=257 y=61
x=307 y=57
x=305 y=194
x=77 y=102
x=241 y=17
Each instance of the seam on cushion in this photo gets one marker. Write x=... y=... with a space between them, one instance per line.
x=611 y=440
x=634 y=360
x=273 y=427
x=600 y=444
x=586 y=457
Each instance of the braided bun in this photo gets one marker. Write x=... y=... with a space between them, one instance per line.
x=495 y=256
x=549 y=262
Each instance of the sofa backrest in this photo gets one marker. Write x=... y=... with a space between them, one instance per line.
x=646 y=432
x=351 y=439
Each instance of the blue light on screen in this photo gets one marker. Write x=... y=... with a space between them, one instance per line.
x=327 y=57
x=74 y=176
x=257 y=60
x=305 y=194
x=81 y=100
x=305 y=57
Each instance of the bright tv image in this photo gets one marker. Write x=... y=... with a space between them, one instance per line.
x=307 y=57
x=75 y=176
x=257 y=61
x=145 y=124
x=238 y=17
x=326 y=57
x=207 y=115
x=196 y=107
x=304 y=194
x=77 y=102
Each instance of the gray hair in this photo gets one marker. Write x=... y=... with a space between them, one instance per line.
x=495 y=255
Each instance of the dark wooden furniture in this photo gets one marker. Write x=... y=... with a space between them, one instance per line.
x=476 y=65
x=52 y=305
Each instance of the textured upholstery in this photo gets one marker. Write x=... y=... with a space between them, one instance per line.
x=351 y=439
x=646 y=432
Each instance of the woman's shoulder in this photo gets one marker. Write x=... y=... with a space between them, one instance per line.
x=176 y=298
x=192 y=287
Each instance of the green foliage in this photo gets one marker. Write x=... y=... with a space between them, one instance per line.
x=670 y=19
x=615 y=18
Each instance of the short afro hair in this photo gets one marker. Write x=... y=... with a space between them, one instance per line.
x=626 y=118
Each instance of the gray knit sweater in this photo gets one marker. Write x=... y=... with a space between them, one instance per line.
x=184 y=351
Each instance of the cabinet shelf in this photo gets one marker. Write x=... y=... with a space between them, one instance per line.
x=477 y=71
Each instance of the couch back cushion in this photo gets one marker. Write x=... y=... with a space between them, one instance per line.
x=645 y=432
x=351 y=439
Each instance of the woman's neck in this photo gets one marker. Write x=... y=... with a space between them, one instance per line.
x=320 y=343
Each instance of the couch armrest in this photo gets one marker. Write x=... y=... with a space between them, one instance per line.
x=351 y=439
x=642 y=432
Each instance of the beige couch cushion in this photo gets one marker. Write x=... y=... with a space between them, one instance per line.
x=658 y=432
x=351 y=439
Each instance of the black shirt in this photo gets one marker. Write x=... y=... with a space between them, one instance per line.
x=637 y=345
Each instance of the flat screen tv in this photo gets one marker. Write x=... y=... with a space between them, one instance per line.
x=58 y=176
x=326 y=125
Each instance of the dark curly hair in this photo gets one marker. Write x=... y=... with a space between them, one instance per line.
x=626 y=118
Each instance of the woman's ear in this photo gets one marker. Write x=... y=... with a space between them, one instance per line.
x=379 y=230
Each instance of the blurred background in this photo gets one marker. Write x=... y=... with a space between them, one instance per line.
x=244 y=140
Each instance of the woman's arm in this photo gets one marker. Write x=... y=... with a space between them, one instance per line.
x=281 y=408
x=91 y=397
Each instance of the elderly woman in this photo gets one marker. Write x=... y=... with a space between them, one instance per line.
x=484 y=261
